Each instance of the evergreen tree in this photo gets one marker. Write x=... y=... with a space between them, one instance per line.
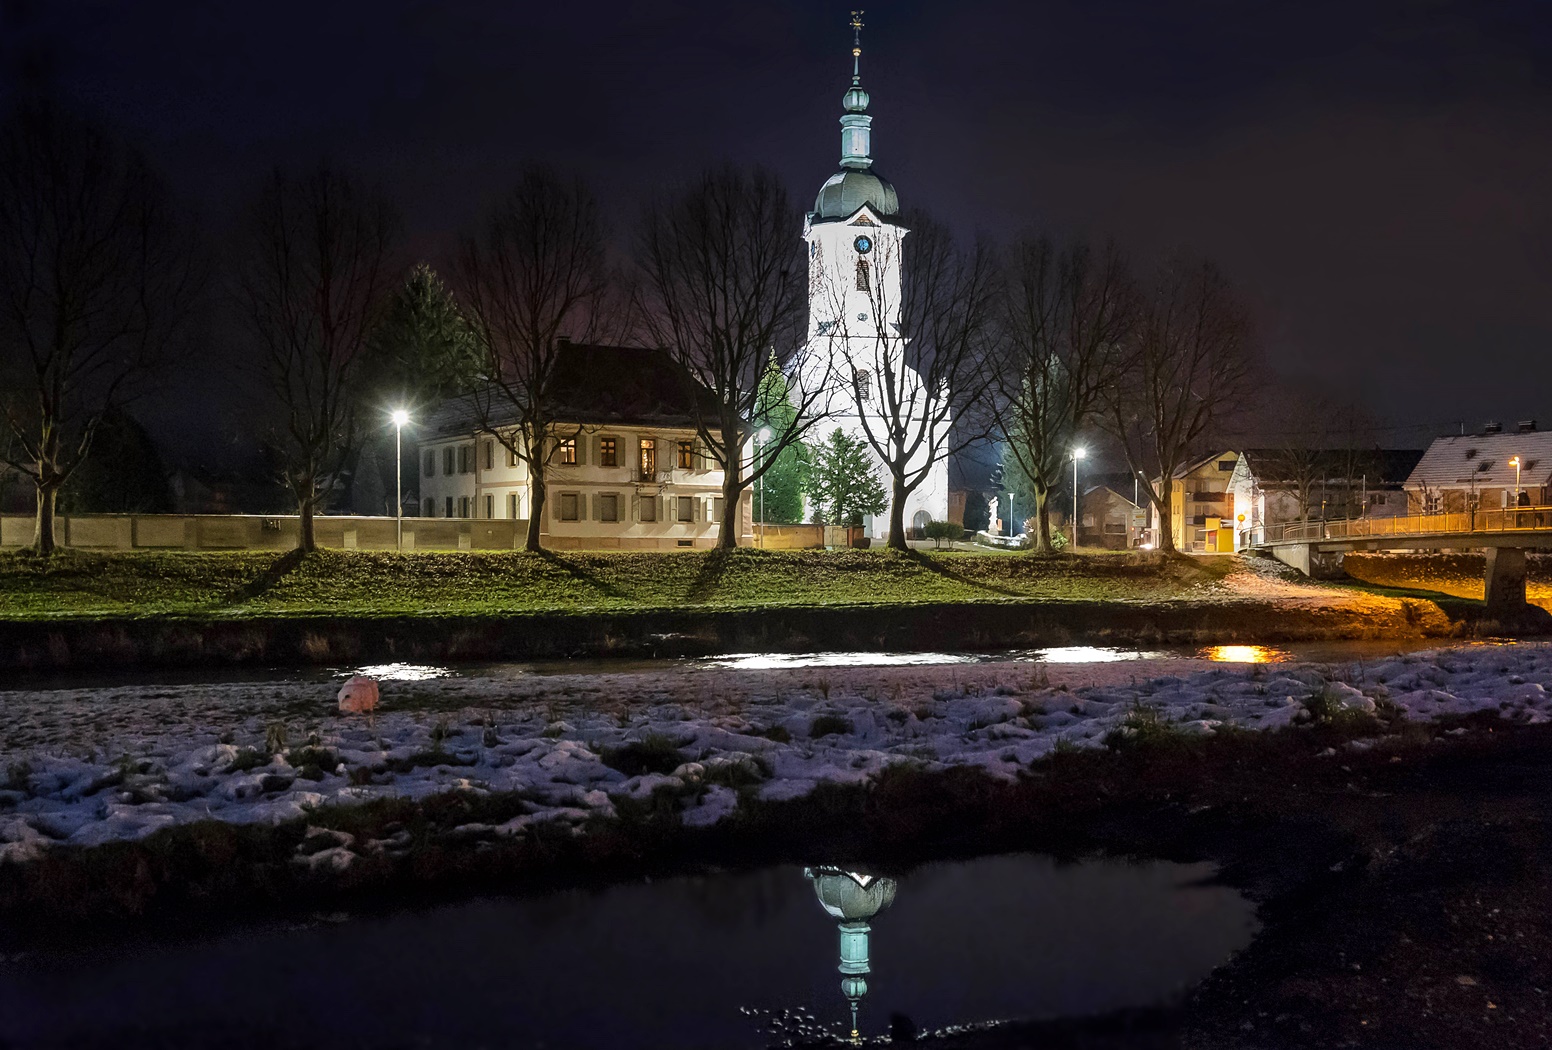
x=843 y=484
x=122 y=474
x=781 y=489
x=424 y=349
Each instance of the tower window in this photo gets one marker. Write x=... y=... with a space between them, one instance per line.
x=862 y=275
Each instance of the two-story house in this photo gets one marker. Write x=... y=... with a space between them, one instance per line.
x=629 y=470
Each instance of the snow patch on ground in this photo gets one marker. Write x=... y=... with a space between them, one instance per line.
x=88 y=766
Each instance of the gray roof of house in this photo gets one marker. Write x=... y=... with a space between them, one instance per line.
x=1482 y=460
x=592 y=385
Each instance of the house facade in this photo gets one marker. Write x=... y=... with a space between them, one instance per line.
x=1109 y=520
x=628 y=471
x=1203 y=511
x=1487 y=471
x=1279 y=486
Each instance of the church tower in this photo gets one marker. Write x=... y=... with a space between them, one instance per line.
x=855 y=265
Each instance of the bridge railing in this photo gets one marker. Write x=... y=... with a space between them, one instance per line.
x=1506 y=519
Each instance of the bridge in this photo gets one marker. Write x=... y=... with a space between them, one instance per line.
x=1317 y=548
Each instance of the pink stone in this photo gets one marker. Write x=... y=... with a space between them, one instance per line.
x=358 y=695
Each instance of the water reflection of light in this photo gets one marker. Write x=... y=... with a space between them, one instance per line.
x=1089 y=654
x=777 y=661
x=1245 y=654
x=400 y=672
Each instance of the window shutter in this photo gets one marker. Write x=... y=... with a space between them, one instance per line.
x=582 y=450
x=554 y=499
x=635 y=507
x=598 y=511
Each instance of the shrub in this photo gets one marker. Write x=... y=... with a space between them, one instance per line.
x=653 y=753
x=826 y=725
x=938 y=531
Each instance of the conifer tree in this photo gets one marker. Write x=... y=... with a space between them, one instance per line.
x=781 y=488
x=843 y=483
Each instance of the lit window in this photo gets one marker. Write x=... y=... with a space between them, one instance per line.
x=608 y=452
x=568 y=451
x=686 y=455
x=648 y=458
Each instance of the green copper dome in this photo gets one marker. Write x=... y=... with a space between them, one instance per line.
x=846 y=191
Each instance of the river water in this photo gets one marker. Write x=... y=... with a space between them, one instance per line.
x=1159 y=658
x=750 y=959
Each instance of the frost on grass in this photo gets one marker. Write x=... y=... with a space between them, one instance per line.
x=91 y=766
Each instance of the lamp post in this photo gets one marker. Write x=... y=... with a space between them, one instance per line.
x=761 y=438
x=1077 y=454
x=400 y=417
x=1516 y=462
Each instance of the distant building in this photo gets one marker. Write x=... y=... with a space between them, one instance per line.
x=1202 y=509
x=1469 y=471
x=1108 y=519
x=629 y=472
x=1277 y=486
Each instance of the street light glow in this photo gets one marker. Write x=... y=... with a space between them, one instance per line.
x=764 y=435
x=1078 y=453
x=400 y=417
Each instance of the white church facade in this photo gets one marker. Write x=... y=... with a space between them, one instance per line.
x=855 y=345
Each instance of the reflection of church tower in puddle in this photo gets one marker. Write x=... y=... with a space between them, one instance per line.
x=852 y=898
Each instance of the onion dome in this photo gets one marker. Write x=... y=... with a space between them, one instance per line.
x=851 y=896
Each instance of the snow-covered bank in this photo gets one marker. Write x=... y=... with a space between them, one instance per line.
x=90 y=766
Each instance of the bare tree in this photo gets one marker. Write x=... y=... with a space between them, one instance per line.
x=315 y=276
x=719 y=287
x=915 y=366
x=1067 y=315
x=535 y=273
x=1189 y=368
x=97 y=280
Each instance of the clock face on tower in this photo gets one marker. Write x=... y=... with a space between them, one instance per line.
x=863 y=244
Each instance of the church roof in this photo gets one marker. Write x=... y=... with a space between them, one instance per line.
x=848 y=190
x=594 y=385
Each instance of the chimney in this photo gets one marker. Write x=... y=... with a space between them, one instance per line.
x=1527 y=426
x=1492 y=428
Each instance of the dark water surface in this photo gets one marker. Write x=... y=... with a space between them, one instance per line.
x=740 y=960
x=1338 y=652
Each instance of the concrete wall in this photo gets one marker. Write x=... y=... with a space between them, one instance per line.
x=279 y=532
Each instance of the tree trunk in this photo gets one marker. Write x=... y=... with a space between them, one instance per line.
x=1166 y=519
x=896 y=541
x=727 y=531
x=307 y=541
x=43 y=540
x=1042 y=518
x=732 y=488
x=537 y=497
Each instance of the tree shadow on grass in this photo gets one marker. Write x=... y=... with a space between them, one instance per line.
x=581 y=575
x=708 y=579
x=261 y=584
x=934 y=565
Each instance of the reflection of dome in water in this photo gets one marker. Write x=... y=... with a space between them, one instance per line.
x=852 y=897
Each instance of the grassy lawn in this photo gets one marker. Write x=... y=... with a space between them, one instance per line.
x=357 y=583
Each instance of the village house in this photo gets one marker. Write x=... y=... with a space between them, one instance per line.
x=1109 y=520
x=1485 y=471
x=629 y=470
x=1202 y=509
x=1278 y=486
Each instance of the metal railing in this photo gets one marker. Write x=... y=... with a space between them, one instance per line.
x=1506 y=519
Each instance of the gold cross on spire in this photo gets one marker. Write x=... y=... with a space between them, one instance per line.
x=856 y=45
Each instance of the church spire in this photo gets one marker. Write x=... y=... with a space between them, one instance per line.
x=856 y=125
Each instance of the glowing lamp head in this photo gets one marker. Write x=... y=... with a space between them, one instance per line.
x=1515 y=462
x=764 y=435
x=1079 y=453
x=400 y=417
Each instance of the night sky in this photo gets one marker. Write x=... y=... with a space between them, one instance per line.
x=1376 y=173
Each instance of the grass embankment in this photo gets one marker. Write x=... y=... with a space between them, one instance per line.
x=338 y=583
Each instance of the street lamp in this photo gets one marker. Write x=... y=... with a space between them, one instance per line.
x=1515 y=463
x=400 y=417
x=1077 y=454
x=761 y=437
